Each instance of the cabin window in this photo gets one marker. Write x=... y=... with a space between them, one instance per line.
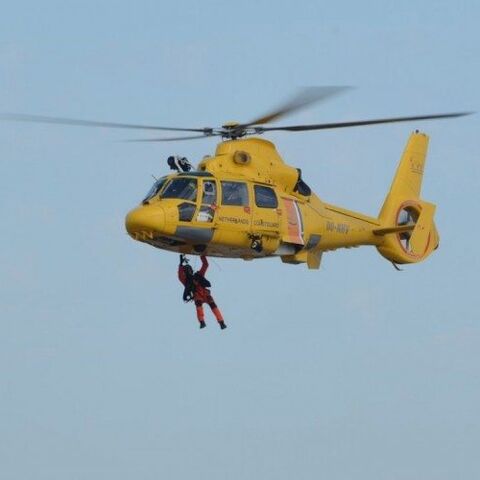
x=235 y=193
x=209 y=196
x=182 y=188
x=265 y=197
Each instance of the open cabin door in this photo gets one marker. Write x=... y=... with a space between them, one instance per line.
x=293 y=223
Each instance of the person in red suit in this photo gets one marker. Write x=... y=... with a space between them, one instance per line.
x=197 y=289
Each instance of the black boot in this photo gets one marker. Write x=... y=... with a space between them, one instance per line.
x=222 y=325
x=202 y=324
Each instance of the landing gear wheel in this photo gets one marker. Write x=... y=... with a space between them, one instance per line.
x=199 y=248
x=256 y=244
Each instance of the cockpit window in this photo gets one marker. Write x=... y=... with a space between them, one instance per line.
x=209 y=196
x=156 y=188
x=183 y=188
x=186 y=211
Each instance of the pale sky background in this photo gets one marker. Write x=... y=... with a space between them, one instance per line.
x=354 y=371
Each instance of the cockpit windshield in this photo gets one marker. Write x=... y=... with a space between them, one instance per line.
x=156 y=187
x=182 y=188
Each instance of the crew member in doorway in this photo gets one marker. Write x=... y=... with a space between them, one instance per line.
x=197 y=289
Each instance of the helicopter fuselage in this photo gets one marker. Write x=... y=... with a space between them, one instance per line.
x=245 y=202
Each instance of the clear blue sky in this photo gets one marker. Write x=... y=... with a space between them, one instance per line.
x=354 y=371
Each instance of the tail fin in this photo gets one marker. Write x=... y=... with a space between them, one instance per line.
x=407 y=182
x=403 y=207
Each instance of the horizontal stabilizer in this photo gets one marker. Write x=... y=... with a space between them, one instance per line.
x=397 y=229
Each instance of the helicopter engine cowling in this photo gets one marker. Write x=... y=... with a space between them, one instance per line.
x=413 y=245
x=258 y=160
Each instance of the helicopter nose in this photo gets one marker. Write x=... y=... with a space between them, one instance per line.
x=144 y=222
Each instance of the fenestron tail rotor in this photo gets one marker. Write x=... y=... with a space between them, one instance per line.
x=231 y=131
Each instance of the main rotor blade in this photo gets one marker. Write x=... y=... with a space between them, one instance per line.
x=19 y=117
x=172 y=139
x=325 y=126
x=304 y=97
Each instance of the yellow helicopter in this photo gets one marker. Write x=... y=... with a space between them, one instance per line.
x=246 y=202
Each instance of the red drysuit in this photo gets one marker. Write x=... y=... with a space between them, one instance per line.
x=201 y=294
